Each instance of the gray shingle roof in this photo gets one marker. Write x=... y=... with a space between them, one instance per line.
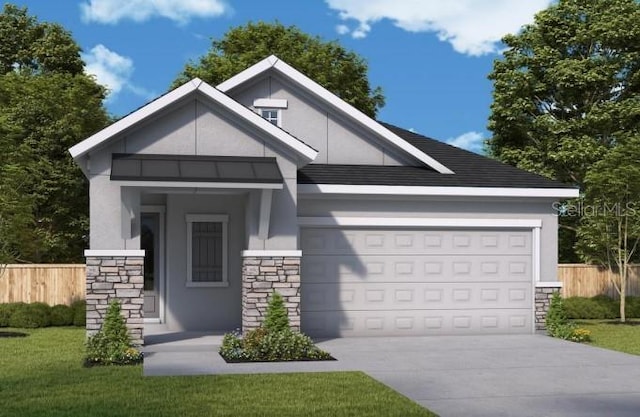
x=471 y=170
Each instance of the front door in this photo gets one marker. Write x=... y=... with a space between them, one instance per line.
x=150 y=242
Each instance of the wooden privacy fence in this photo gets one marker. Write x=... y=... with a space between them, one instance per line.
x=49 y=283
x=581 y=280
x=62 y=283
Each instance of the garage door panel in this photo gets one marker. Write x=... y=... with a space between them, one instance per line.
x=416 y=322
x=404 y=242
x=379 y=281
x=427 y=268
x=409 y=296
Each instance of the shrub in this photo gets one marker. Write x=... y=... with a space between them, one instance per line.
x=632 y=307
x=112 y=344
x=263 y=345
x=558 y=325
x=276 y=318
x=79 y=308
x=31 y=316
x=6 y=311
x=61 y=315
x=590 y=308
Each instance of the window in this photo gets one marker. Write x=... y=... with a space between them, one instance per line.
x=271 y=109
x=207 y=250
x=272 y=115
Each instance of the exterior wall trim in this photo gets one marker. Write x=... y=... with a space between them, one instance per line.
x=417 y=222
x=437 y=191
x=272 y=253
x=549 y=284
x=207 y=185
x=114 y=252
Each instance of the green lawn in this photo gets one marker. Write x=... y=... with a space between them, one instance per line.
x=42 y=375
x=610 y=334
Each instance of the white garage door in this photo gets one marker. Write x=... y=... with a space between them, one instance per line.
x=415 y=282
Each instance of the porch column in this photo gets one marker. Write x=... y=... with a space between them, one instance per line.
x=115 y=275
x=265 y=271
x=544 y=293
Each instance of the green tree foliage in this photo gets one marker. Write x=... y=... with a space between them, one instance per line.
x=276 y=318
x=566 y=89
x=47 y=104
x=610 y=228
x=340 y=71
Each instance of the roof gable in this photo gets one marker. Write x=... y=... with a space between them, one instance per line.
x=285 y=70
x=194 y=86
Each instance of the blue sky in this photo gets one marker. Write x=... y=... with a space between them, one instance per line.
x=431 y=57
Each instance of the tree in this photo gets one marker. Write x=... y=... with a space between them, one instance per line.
x=340 y=71
x=276 y=319
x=610 y=229
x=47 y=104
x=566 y=88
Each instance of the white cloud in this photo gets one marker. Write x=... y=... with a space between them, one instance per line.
x=471 y=141
x=180 y=11
x=342 y=29
x=112 y=71
x=472 y=27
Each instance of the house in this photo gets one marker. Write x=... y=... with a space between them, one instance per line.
x=270 y=182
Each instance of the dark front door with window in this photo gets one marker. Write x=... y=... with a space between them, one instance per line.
x=150 y=242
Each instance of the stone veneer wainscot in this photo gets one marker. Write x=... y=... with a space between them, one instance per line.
x=116 y=275
x=263 y=274
x=543 y=301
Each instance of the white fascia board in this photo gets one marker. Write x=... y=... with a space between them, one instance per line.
x=271 y=103
x=135 y=117
x=418 y=222
x=295 y=75
x=247 y=74
x=549 y=284
x=203 y=185
x=215 y=94
x=113 y=252
x=271 y=253
x=437 y=191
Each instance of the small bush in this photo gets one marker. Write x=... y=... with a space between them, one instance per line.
x=6 y=311
x=31 y=316
x=632 y=307
x=276 y=318
x=263 y=345
x=79 y=308
x=61 y=315
x=558 y=324
x=590 y=308
x=112 y=344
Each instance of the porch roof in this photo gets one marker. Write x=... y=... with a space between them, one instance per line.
x=195 y=169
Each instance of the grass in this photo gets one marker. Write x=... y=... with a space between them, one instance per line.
x=42 y=375
x=611 y=334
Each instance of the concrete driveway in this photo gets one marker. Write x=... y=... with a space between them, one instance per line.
x=529 y=375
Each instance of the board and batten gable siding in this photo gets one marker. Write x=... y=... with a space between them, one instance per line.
x=446 y=208
x=337 y=139
x=194 y=126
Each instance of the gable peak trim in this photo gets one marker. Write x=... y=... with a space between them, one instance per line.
x=273 y=62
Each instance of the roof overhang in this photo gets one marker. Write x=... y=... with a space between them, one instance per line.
x=102 y=137
x=273 y=62
x=320 y=189
x=200 y=171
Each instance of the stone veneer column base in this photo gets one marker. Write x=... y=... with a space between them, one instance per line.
x=543 y=300
x=116 y=278
x=261 y=275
